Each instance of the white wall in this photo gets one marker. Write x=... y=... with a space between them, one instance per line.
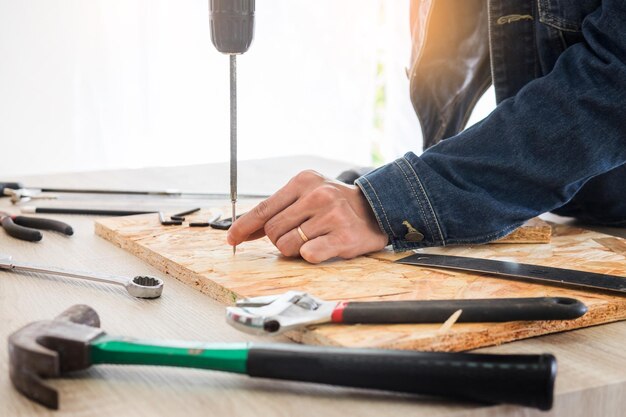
x=92 y=84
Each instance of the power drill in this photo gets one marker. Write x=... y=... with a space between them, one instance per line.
x=232 y=29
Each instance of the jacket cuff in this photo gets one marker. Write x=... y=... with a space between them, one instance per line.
x=401 y=205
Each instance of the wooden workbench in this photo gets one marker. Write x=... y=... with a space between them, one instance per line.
x=592 y=362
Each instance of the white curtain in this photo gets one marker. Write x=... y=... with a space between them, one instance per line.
x=92 y=84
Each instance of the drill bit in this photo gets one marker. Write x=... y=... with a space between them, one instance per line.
x=233 y=137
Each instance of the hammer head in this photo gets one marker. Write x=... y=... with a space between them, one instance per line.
x=50 y=348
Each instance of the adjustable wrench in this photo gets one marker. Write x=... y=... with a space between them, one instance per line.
x=275 y=314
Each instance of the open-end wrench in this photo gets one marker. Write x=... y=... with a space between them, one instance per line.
x=139 y=286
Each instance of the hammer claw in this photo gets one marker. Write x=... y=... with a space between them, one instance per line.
x=47 y=349
x=28 y=362
x=33 y=387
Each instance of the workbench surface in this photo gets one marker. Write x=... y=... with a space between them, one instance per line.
x=592 y=362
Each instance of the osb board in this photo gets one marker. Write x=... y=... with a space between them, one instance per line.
x=533 y=231
x=201 y=258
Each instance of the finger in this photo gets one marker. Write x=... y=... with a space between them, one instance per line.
x=320 y=249
x=256 y=218
x=256 y=235
x=298 y=213
x=289 y=244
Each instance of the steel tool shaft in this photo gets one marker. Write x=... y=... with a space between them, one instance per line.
x=232 y=29
x=139 y=286
x=233 y=137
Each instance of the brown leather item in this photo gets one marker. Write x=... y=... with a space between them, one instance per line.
x=450 y=67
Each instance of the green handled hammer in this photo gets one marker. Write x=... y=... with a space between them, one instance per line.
x=73 y=341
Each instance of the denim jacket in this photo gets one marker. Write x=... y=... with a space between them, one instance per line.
x=555 y=142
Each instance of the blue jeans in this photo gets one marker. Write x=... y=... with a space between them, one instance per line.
x=557 y=144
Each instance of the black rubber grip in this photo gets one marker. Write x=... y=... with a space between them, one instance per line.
x=474 y=311
x=93 y=212
x=19 y=232
x=11 y=185
x=44 y=224
x=526 y=380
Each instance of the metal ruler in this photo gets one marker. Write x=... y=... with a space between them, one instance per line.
x=542 y=274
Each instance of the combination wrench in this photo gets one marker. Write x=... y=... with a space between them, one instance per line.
x=139 y=286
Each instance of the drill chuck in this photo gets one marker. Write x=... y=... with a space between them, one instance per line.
x=232 y=25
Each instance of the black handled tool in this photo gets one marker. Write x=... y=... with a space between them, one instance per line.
x=73 y=342
x=275 y=314
x=88 y=211
x=516 y=379
x=23 y=228
x=512 y=270
x=474 y=311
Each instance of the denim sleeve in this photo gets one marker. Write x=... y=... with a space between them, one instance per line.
x=531 y=155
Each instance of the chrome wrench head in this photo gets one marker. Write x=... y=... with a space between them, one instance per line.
x=145 y=287
x=275 y=314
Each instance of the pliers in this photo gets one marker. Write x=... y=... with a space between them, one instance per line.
x=22 y=227
x=275 y=314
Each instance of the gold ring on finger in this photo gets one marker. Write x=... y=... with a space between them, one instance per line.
x=302 y=234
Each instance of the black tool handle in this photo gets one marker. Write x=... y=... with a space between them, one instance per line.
x=11 y=185
x=20 y=232
x=474 y=311
x=93 y=212
x=526 y=380
x=44 y=224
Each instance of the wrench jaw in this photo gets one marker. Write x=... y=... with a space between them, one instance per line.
x=145 y=287
x=240 y=319
x=273 y=315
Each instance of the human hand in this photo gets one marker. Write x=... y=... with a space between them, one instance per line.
x=335 y=218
